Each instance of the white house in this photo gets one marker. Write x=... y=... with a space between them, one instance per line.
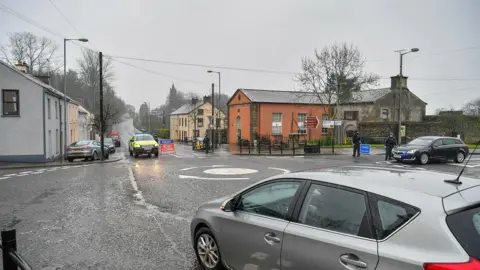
x=84 y=127
x=31 y=117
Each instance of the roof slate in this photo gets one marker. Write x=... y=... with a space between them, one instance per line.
x=39 y=83
x=299 y=97
x=186 y=109
x=278 y=96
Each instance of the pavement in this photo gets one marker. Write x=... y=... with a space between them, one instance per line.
x=135 y=213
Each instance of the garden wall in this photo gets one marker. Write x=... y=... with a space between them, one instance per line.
x=434 y=125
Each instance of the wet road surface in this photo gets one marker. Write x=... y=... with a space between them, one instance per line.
x=135 y=213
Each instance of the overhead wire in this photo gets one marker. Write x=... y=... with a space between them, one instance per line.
x=203 y=65
x=116 y=57
x=155 y=72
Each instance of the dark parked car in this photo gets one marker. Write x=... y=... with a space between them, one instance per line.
x=110 y=143
x=425 y=149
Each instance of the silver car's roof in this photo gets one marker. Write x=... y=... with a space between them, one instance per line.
x=396 y=183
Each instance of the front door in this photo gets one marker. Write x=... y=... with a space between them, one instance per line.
x=238 y=128
x=251 y=237
x=438 y=149
x=332 y=232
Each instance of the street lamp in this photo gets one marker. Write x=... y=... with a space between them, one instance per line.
x=65 y=91
x=401 y=53
x=218 y=104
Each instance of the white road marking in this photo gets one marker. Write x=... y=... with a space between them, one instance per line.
x=229 y=171
x=280 y=169
x=27 y=172
x=195 y=154
x=468 y=165
x=12 y=174
x=140 y=200
x=186 y=169
x=2 y=178
x=208 y=178
x=36 y=172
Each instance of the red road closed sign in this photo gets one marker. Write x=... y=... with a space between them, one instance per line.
x=311 y=122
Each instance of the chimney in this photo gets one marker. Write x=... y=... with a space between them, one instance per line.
x=44 y=78
x=194 y=101
x=206 y=99
x=22 y=66
x=395 y=82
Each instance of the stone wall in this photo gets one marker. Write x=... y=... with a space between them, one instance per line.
x=467 y=126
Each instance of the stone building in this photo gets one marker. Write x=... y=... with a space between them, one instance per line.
x=379 y=105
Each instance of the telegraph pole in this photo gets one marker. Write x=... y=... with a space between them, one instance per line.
x=100 y=59
x=213 y=116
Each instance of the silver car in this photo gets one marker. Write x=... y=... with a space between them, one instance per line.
x=345 y=218
x=87 y=149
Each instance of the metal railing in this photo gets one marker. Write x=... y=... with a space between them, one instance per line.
x=11 y=259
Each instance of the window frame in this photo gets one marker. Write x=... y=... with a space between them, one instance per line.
x=370 y=234
x=17 y=93
x=324 y=130
x=276 y=122
x=303 y=129
x=292 y=205
x=200 y=119
x=49 y=108
x=373 y=199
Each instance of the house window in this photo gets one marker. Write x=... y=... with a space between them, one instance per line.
x=56 y=110
x=49 y=108
x=384 y=114
x=301 y=123
x=199 y=122
x=350 y=115
x=239 y=96
x=11 y=103
x=277 y=124
x=324 y=130
x=200 y=112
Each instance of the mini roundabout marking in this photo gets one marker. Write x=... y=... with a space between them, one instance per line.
x=395 y=164
x=222 y=170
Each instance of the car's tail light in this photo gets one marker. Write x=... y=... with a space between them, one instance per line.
x=86 y=148
x=472 y=264
x=69 y=148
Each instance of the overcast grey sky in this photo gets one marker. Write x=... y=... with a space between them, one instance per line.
x=266 y=34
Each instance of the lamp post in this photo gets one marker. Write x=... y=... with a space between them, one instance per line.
x=401 y=53
x=218 y=104
x=65 y=92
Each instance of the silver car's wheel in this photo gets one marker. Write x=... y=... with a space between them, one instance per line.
x=460 y=157
x=424 y=158
x=207 y=251
x=94 y=156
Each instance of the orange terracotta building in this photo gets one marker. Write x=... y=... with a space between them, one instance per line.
x=253 y=114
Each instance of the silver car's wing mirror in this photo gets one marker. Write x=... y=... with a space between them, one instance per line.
x=228 y=205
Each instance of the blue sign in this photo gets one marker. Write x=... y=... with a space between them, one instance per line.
x=365 y=149
x=166 y=141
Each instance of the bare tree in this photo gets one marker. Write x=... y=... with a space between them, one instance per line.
x=27 y=47
x=110 y=117
x=193 y=117
x=472 y=107
x=335 y=75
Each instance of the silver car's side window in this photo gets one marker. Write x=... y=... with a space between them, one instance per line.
x=334 y=209
x=390 y=214
x=271 y=200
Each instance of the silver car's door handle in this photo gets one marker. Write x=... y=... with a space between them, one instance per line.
x=271 y=237
x=351 y=259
